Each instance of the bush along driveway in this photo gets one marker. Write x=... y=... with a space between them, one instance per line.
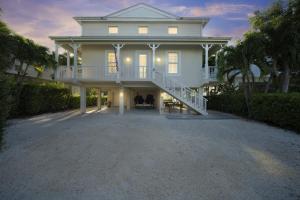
x=282 y=110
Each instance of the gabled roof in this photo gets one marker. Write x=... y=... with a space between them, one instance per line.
x=142 y=10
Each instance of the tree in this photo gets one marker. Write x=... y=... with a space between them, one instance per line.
x=280 y=26
x=5 y=62
x=234 y=61
x=6 y=41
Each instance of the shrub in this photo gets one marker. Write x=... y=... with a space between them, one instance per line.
x=282 y=110
x=42 y=98
x=278 y=109
x=5 y=99
x=75 y=101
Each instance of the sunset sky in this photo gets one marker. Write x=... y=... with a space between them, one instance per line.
x=37 y=19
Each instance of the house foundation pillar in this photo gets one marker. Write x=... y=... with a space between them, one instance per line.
x=99 y=99
x=161 y=102
x=82 y=99
x=121 y=101
x=128 y=102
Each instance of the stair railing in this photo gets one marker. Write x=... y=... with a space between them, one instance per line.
x=182 y=92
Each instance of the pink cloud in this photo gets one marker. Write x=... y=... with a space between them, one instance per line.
x=216 y=9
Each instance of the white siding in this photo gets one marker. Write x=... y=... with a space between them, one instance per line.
x=131 y=29
x=190 y=59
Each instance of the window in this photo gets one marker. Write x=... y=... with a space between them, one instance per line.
x=113 y=29
x=172 y=30
x=143 y=30
x=172 y=62
x=143 y=66
x=111 y=61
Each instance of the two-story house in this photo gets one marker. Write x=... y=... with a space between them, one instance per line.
x=141 y=50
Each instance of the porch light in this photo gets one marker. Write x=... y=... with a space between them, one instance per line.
x=158 y=60
x=121 y=94
x=128 y=59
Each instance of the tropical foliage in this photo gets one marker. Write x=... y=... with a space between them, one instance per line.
x=273 y=44
x=18 y=53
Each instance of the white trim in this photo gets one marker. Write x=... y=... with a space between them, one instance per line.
x=142 y=5
x=167 y=63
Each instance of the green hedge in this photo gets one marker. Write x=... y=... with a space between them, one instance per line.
x=37 y=99
x=5 y=100
x=281 y=110
x=75 y=101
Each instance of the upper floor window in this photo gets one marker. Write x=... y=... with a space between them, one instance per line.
x=172 y=30
x=143 y=30
x=113 y=30
x=173 y=62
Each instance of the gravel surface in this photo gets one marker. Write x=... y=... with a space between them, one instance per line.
x=144 y=155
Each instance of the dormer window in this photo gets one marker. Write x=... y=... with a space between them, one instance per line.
x=143 y=30
x=172 y=30
x=113 y=30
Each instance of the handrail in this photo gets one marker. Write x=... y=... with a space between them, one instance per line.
x=181 y=91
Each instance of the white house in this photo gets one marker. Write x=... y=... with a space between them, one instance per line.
x=141 y=50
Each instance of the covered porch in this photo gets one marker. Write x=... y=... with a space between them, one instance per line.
x=135 y=59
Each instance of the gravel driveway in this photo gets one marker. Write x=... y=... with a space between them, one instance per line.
x=147 y=156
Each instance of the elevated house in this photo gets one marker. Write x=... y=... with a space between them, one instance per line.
x=141 y=51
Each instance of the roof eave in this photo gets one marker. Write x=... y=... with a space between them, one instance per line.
x=126 y=39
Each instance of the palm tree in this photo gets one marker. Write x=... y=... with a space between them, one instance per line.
x=234 y=61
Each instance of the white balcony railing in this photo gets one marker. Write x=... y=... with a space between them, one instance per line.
x=96 y=73
x=212 y=73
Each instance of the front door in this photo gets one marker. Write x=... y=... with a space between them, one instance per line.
x=142 y=65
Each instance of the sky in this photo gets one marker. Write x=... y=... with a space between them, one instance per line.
x=38 y=19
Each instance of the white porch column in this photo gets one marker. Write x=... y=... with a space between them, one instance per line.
x=56 y=72
x=56 y=53
x=118 y=47
x=82 y=99
x=68 y=59
x=99 y=99
x=153 y=47
x=206 y=47
x=75 y=68
x=121 y=101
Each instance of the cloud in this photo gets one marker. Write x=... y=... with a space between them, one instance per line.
x=216 y=9
x=41 y=22
x=236 y=33
x=37 y=19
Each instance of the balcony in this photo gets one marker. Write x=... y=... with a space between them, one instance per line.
x=109 y=73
